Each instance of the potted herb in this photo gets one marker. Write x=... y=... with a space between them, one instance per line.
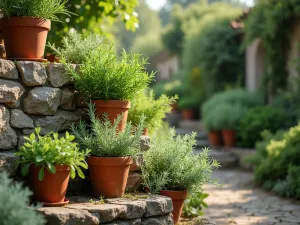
x=25 y=25
x=153 y=109
x=111 y=152
x=111 y=83
x=187 y=106
x=213 y=129
x=171 y=168
x=50 y=161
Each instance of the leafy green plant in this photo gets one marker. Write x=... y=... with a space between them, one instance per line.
x=194 y=204
x=258 y=119
x=14 y=209
x=171 y=165
x=76 y=48
x=103 y=77
x=103 y=138
x=187 y=103
x=154 y=110
x=46 y=9
x=50 y=150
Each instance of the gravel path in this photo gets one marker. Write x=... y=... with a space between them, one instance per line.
x=239 y=202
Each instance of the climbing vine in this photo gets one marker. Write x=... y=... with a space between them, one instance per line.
x=271 y=21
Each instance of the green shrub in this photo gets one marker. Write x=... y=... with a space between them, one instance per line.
x=46 y=9
x=14 y=209
x=187 y=103
x=76 y=48
x=210 y=122
x=48 y=151
x=171 y=165
x=257 y=120
x=277 y=162
x=103 y=138
x=104 y=77
x=194 y=204
x=144 y=104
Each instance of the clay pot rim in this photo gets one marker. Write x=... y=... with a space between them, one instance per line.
x=58 y=167
x=109 y=161
x=25 y=21
x=175 y=195
x=112 y=103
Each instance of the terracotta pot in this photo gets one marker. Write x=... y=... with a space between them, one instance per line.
x=146 y=132
x=178 y=198
x=174 y=107
x=113 y=108
x=25 y=37
x=53 y=188
x=214 y=137
x=109 y=175
x=229 y=137
x=188 y=114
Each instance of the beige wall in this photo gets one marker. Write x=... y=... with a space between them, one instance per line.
x=255 y=59
x=168 y=67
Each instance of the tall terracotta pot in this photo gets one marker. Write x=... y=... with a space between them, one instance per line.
x=25 y=37
x=229 y=137
x=188 y=114
x=146 y=132
x=109 y=175
x=113 y=108
x=53 y=188
x=178 y=198
x=214 y=137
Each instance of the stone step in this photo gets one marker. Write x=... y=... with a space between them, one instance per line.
x=226 y=159
x=137 y=209
x=195 y=125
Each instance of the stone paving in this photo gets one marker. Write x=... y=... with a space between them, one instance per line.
x=239 y=202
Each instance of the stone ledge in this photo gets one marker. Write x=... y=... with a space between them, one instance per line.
x=142 y=209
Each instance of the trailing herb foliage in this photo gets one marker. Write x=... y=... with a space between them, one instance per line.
x=103 y=138
x=45 y=9
x=76 y=48
x=144 y=104
x=171 y=165
x=50 y=150
x=271 y=21
x=194 y=204
x=104 y=77
x=14 y=209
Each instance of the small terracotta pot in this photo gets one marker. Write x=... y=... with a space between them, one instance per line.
x=109 y=175
x=25 y=37
x=174 y=107
x=146 y=132
x=188 y=114
x=214 y=137
x=53 y=188
x=113 y=108
x=229 y=137
x=178 y=198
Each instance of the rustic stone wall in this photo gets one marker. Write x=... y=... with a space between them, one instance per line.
x=33 y=94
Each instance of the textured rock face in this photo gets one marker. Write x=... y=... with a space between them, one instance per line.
x=8 y=70
x=10 y=92
x=134 y=182
x=32 y=73
x=8 y=137
x=58 y=75
x=19 y=119
x=67 y=101
x=42 y=101
x=9 y=163
x=145 y=143
x=165 y=220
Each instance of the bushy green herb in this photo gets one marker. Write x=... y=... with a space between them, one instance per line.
x=171 y=165
x=76 y=48
x=187 y=103
x=45 y=9
x=103 y=138
x=14 y=208
x=50 y=150
x=153 y=110
x=258 y=119
x=194 y=204
x=103 y=77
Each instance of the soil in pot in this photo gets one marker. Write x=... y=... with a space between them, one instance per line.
x=229 y=137
x=109 y=175
x=53 y=188
x=214 y=137
x=113 y=108
x=25 y=37
x=178 y=198
x=188 y=114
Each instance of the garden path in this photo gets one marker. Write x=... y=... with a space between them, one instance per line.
x=239 y=202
